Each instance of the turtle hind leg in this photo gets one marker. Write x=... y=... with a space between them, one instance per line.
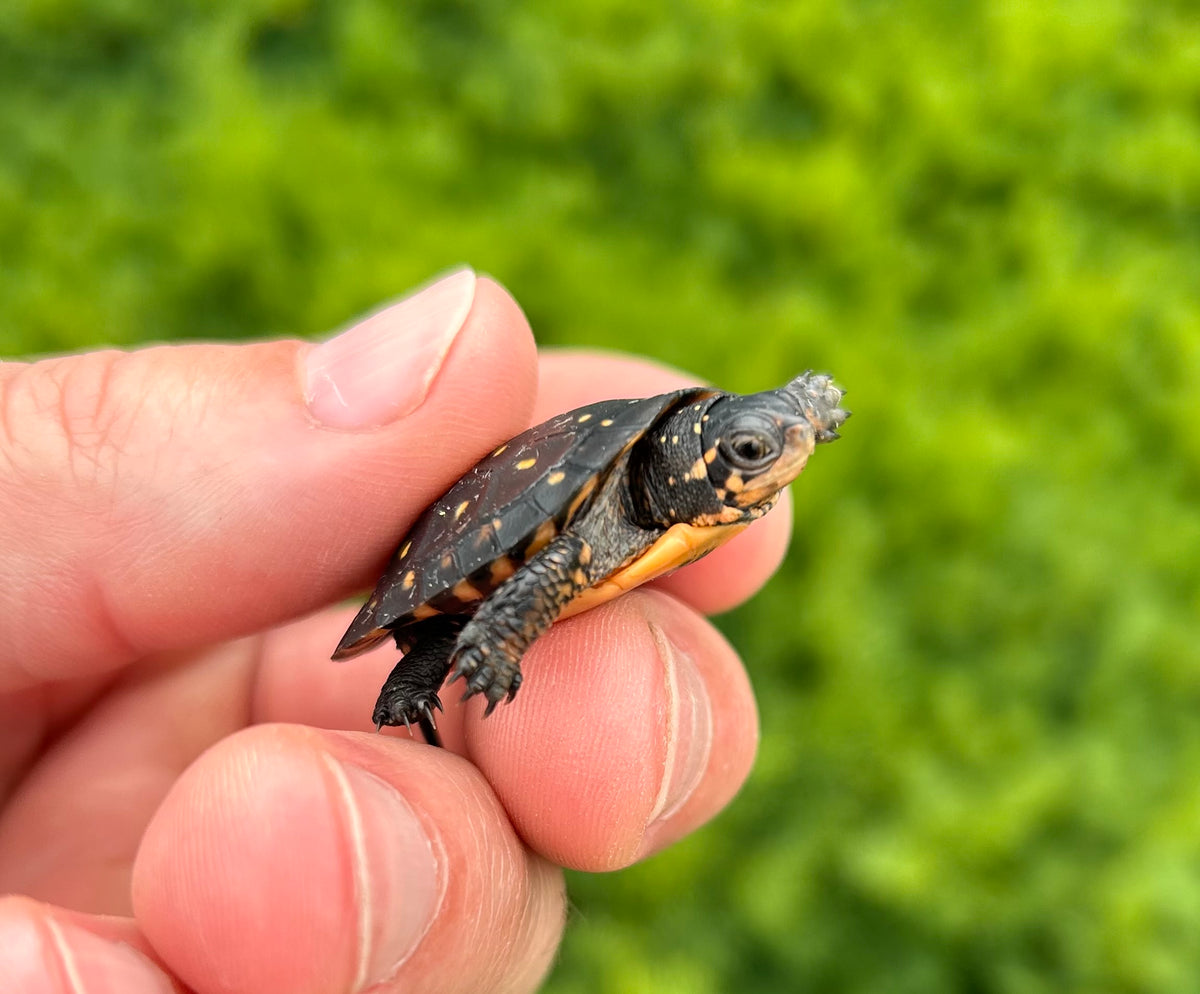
x=488 y=651
x=410 y=693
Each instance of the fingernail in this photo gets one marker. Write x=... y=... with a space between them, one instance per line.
x=397 y=873
x=382 y=368
x=689 y=731
x=60 y=957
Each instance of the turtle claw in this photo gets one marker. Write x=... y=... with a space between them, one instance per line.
x=498 y=692
x=485 y=673
x=397 y=706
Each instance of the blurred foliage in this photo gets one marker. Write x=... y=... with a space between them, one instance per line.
x=978 y=671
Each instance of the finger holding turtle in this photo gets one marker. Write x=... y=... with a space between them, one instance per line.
x=167 y=743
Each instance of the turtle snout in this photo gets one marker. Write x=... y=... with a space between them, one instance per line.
x=819 y=401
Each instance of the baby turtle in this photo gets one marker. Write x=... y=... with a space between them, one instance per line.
x=572 y=513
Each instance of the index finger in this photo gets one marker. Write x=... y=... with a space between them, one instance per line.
x=176 y=496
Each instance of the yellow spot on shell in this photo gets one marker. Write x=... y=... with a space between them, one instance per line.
x=497 y=523
x=556 y=478
x=584 y=493
x=606 y=422
x=465 y=592
x=584 y=417
x=541 y=538
x=501 y=570
x=526 y=463
x=404 y=550
x=409 y=579
x=497 y=452
x=461 y=509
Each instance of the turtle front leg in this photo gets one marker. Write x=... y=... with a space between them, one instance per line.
x=489 y=649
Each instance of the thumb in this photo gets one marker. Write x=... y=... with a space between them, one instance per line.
x=173 y=496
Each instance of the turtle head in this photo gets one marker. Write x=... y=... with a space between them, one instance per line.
x=726 y=459
x=756 y=444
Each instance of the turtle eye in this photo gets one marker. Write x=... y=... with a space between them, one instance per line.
x=749 y=450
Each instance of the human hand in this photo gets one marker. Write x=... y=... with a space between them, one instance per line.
x=189 y=792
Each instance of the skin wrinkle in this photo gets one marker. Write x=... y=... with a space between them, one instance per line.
x=671 y=725
x=8 y=438
x=84 y=394
x=543 y=921
x=218 y=793
x=114 y=422
x=72 y=397
x=483 y=855
x=104 y=618
x=106 y=414
x=65 y=957
x=20 y=407
x=359 y=862
x=81 y=590
x=242 y=656
x=95 y=433
x=21 y=752
x=84 y=596
x=528 y=951
x=522 y=897
x=478 y=920
x=502 y=865
x=54 y=712
x=55 y=379
x=524 y=904
x=91 y=447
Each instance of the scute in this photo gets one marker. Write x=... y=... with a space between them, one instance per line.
x=508 y=495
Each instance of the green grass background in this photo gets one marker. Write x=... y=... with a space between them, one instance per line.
x=978 y=670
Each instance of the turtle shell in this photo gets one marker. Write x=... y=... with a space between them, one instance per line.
x=504 y=510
